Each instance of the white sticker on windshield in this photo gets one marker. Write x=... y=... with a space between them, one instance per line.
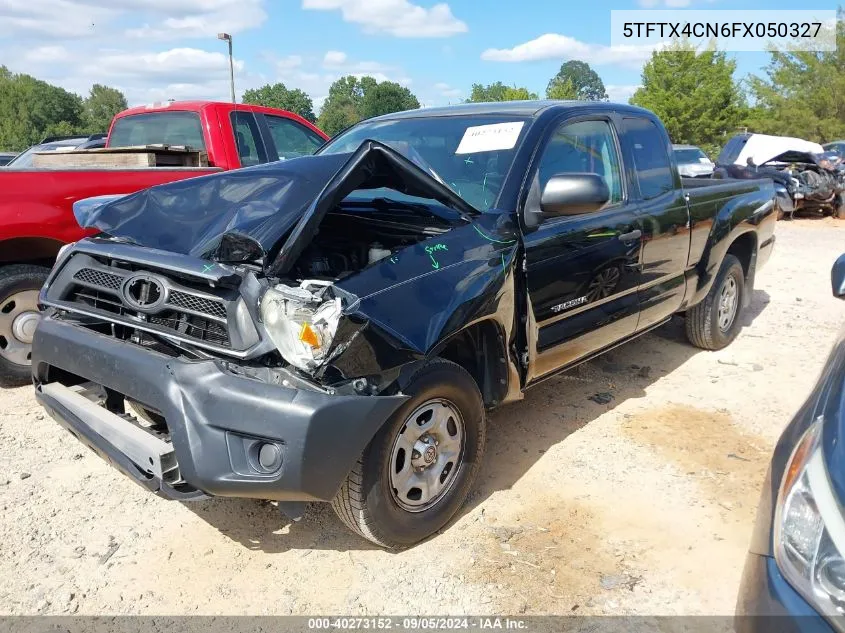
x=489 y=138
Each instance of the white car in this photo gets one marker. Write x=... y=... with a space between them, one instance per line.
x=692 y=161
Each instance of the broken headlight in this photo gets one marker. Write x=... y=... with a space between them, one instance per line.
x=809 y=535
x=301 y=321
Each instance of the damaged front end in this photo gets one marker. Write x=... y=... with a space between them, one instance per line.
x=299 y=291
x=254 y=350
x=302 y=321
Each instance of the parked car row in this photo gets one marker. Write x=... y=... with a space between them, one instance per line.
x=56 y=144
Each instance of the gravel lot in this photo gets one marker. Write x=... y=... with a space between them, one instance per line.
x=643 y=505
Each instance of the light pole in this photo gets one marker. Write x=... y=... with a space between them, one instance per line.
x=228 y=38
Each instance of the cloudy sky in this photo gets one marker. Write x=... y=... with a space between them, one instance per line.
x=161 y=49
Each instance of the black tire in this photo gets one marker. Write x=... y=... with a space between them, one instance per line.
x=367 y=504
x=702 y=320
x=14 y=279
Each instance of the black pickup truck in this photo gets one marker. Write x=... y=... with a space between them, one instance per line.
x=334 y=327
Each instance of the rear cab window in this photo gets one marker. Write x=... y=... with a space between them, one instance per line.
x=158 y=128
x=251 y=150
x=291 y=138
x=653 y=170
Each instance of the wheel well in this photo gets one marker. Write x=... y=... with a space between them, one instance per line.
x=481 y=350
x=744 y=248
x=29 y=250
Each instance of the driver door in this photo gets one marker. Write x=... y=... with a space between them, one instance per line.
x=582 y=270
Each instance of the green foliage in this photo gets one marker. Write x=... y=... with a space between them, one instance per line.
x=101 y=106
x=562 y=90
x=695 y=95
x=31 y=109
x=387 y=97
x=278 y=96
x=586 y=83
x=802 y=93
x=499 y=92
x=352 y=99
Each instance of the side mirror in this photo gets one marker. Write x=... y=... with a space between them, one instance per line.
x=837 y=278
x=574 y=194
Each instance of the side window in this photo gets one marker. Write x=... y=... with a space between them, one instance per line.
x=291 y=138
x=651 y=161
x=585 y=146
x=248 y=139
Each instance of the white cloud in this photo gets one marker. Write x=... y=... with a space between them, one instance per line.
x=51 y=19
x=334 y=58
x=445 y=90
x=618 y=93
x=563 y=47
x=151 y=19
x=76 y=43
x=671 y=4
x=399 y=18
x=143 y=76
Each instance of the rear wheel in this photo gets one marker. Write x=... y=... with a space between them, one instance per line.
x=715 y=322
x=418 y=469
x=19 y=315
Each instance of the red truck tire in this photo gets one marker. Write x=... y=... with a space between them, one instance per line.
x=19 y=287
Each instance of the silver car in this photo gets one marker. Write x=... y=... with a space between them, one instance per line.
x=692 y=161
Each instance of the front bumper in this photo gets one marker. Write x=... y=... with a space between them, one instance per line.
x=767 y=602
x=215 y=418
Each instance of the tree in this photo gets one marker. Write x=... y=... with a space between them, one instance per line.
x=387 y=97
x=278 y=96
x=30 y=109
x=801 y=93
x=101 y=106
x=587 y=84
x=562 y=90
x=352 y=99
x=694 y=93
x=499 y=92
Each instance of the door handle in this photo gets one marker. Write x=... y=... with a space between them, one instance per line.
x=630 y=237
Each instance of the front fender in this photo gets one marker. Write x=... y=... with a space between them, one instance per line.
x=410 y=304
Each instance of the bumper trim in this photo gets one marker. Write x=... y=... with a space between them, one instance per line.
x=149 y=453
x=215 y=417
x=67 y=412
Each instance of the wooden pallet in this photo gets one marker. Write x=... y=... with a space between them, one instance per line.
x=126 y=157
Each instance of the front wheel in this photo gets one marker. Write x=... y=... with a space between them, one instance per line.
x=417 y=471
x=715 y=322
x=19 y=287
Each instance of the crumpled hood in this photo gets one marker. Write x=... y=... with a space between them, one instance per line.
x=243 y=215
x=191 y=216
x=763 y=148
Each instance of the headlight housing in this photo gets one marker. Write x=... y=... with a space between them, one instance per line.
x=809 y=534
x=301 y=321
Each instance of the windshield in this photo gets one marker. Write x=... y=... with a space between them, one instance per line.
x=158 y=128
x=691 y=155
x=27 y=158
x=472 y=155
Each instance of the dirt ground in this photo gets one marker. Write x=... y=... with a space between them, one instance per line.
x=643 y=505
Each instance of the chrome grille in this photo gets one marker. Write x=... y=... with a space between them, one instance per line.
x=194 y=316
x=93 y=277
x=203 y=305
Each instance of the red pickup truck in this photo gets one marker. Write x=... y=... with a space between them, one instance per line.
x=36 y=208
